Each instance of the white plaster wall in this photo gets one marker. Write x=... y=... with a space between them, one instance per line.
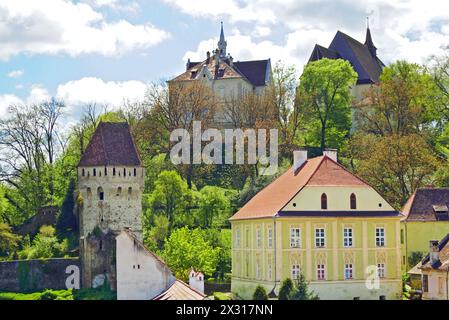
x=140 y=276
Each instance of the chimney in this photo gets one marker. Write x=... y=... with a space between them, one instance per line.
x=208 y=57
x=217 y=57
x=330 y=153
x=299 y=158
x=188 y=64
x=231 y=61
x=434 y=252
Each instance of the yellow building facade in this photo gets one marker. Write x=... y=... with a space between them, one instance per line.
x=320 y=220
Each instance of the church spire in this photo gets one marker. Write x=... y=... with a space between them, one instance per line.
x=369 y=41
x=222 y=43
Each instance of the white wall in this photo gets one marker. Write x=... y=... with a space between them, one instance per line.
x=140 y=276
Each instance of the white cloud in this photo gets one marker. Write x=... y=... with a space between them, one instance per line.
x=66 y=27
x=38 y=94
x=15 y=74
x=7 y=100
x=407 y=29
x=88 y=90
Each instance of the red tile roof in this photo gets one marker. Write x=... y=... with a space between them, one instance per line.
x=443 y=255
x=180 y=290
x=111 y=144
x=319 y=171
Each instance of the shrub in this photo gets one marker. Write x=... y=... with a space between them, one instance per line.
x=286 y=289
x=222 y=296
x=260 y=293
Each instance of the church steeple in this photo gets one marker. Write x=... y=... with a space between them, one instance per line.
x=369 y=41
x=222 y=43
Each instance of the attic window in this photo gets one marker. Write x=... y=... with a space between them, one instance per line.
x=440 y=208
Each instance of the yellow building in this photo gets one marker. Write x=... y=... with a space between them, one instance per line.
x=426 y=217
x=321 y=220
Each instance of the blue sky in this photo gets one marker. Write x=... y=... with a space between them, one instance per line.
x=108 y=50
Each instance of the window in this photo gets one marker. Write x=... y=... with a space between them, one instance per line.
x=257 y=268
x=295 y=237
x=323 y=201
x=381 y=270
x=269 y=271
x=295 y=271
x=119 y=191
x=135 y=172
x=425 y=283
x=353 y=201
x=124 y=172
x=380 y=237
x=95 y=172
x=382 y=298
x=113 y=172
x=130 y=191
x=101 y=245
x=100 y=193
x=347 y=237
x=402 y=236
x=105 y=171
x=83 y=172
x=270 y=238
x=320 y=273
x=403 y=259
x=237 y=238
x=348 y=271
x=258 y=237
x=319 y=238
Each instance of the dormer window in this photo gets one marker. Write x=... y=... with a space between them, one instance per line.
x=323 y=201
x=353 y=201
x=441 y=211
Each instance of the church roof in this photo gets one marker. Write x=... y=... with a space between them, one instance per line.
x=111 y=144
x=255 y=72
x=319 y=171
x=367 y=65
x=427 y=204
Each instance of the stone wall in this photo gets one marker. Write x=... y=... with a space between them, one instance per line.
x=35 y=275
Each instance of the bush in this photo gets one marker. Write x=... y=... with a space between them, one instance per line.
x=260 y=293
x=286 y=289
x=45 y=295
x=222 y=296
x=101 y=293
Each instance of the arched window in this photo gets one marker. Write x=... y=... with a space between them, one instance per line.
x=100 y=193
x=135 y=172
x=323 y=201
x=119 y=191
x=130 y=191
x=105 y=171
x=95 y=172
x=353 y=201
x=124 y=172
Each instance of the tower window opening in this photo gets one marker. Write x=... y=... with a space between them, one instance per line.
x=105 y=171
x=83 y=173
x=100 y=193
x=135 y=172
x=113 y=172
x=124 y=172
x=95 y=172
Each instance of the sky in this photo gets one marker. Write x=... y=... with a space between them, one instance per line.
x=106 y=51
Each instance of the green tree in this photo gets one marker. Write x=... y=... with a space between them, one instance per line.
x=260 y=293
x=9 y=241
x=325 y=100
x=171 y=197
x=286 y=289
x=45 y=245
x=414 y=258
x=188 y=248
x=156 y=236
x=213 y=207
x=301 y=291
x=221 y=239
x=66 y=222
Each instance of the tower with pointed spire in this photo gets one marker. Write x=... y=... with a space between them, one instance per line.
x=222 y=43
x=369 y=41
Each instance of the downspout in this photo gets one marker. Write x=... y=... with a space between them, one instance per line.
x=275 y=245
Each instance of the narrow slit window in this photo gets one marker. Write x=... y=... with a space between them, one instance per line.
x=353 y=201
x=323 y=201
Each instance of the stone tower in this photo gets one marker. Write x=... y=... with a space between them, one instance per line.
x=110 y=185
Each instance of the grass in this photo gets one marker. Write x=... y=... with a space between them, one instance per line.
x=101 y=293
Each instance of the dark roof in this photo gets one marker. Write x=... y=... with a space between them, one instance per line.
x=257 y=71
x=354 y=214
x=443 y=255
x=111 y=144
x=368 y=66
x=420 y=206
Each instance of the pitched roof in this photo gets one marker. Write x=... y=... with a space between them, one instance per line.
x=367 y=66
x=111 y=144
x=319 y=171
x=255 y=72
x=443 y=255
x=422 y=204
x=180 y=290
